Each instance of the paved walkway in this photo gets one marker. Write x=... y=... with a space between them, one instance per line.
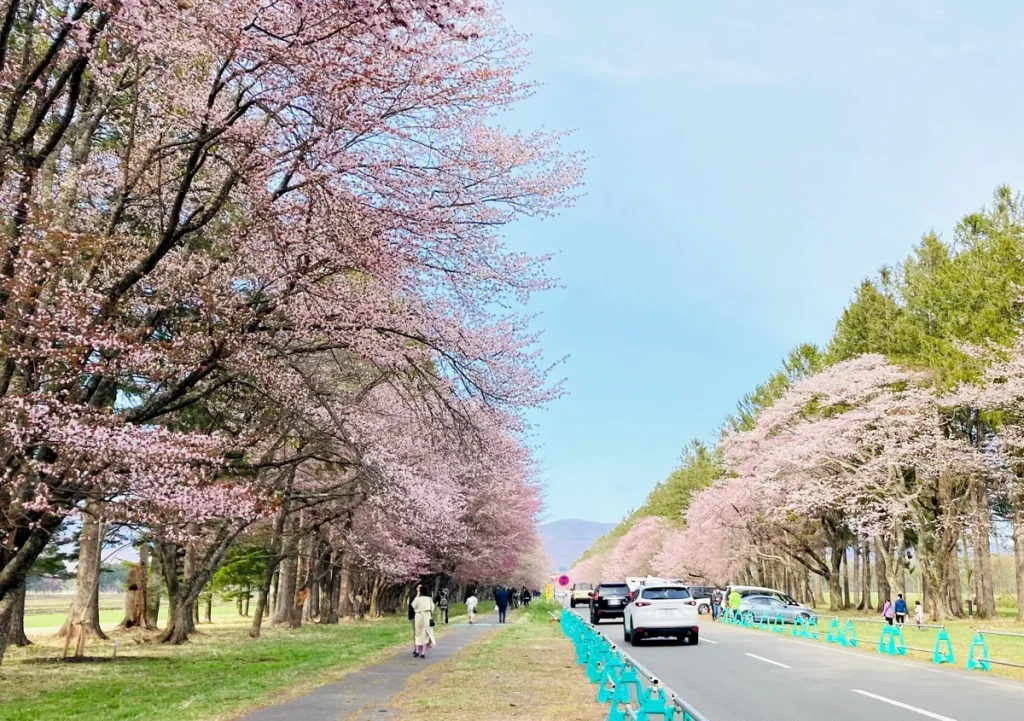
x=364 y=695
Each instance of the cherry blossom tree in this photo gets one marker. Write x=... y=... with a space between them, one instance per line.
x=635 y=550
x=205 y=201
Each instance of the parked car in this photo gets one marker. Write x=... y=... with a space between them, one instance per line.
x=661 y=610
x=608 y=601
x=770 y=607
x=702 y=595
x=580 y=593
x=745 y=591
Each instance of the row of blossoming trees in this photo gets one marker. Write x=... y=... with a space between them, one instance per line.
x=251 y=285
x=900 y=447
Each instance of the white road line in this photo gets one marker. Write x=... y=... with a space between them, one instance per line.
x=705 y=639
x=767 y=660
x=908 y=707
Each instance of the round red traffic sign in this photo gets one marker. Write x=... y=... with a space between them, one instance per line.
x=563 y=580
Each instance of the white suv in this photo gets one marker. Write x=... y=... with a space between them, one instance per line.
x=661 y=610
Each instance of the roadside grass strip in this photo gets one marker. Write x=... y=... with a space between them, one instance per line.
x=997 y=648
x=523 y=671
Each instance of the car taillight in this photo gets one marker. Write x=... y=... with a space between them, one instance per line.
x=641 y=604
x=596 y=597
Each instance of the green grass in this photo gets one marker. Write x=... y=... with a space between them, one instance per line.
x=522 y=672
x=50 y=610
x=218 y=674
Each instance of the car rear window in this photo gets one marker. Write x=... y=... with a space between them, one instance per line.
x=584 y=587
x=613 y=589
x=665 y=594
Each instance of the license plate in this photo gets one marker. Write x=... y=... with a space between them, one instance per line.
x=614 y=602
x=666 y=612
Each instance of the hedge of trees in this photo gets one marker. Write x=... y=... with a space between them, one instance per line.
x=896 y=449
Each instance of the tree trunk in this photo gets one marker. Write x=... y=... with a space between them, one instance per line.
x=85 y=607
x=345 y=591
x=985 y=596
x=835 y=588
x=238 y=604
x=332 y=600
x=866 y=574
x=270 y=574
x=952 y=590
x=134 y=597
x=188 y=591
x=7 y=607
x=248 y=596
x=1018 y=548
x=857 y=594
x=309 y=584
x=16 y=633
x=882 y=562
x=154 y=583
x=287 y=586
x=375 y=590
x=273 y=589
x=209 y=608
x=846 y=579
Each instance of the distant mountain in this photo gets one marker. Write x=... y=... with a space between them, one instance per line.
x=567 y=539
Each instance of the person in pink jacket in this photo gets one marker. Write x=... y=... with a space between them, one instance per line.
x=888 y=612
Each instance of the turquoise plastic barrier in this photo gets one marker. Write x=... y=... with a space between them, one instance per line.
x=620 y=685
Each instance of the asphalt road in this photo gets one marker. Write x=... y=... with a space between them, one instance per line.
x=737 y=674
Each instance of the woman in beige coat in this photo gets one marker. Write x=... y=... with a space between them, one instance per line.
x=423 y=608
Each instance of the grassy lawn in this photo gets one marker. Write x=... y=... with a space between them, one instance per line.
x=217 y=675
x=525 y=671
x=961 y=633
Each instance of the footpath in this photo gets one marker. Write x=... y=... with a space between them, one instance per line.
x=365 y=694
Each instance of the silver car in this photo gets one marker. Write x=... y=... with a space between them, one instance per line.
x=769 y=608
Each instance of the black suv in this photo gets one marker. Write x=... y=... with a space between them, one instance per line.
x=609 y=600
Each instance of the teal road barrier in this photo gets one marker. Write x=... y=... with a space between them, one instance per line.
x=978 y=658
x=632 y=692
x=891 y=640
x=850 y=634
x=941 y=650
x=806 y=627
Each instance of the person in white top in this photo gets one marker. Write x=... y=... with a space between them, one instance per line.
x=423 y=610
x=471 y=607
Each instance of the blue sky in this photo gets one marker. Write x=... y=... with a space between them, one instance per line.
x=750 y=163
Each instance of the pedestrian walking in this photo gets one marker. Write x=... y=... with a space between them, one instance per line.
x=471 y=607
x=443 y=605
x=900 y=609
x=888 y=611
x=524 y=597
x=501 y=600
x=918 y=613
x=716 y=604
x=423 y=621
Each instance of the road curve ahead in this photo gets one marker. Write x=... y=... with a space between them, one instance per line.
x=737 y=674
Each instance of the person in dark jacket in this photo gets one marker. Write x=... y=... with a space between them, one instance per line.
x=443 y=603
x=901 y=609
x=501 y=599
